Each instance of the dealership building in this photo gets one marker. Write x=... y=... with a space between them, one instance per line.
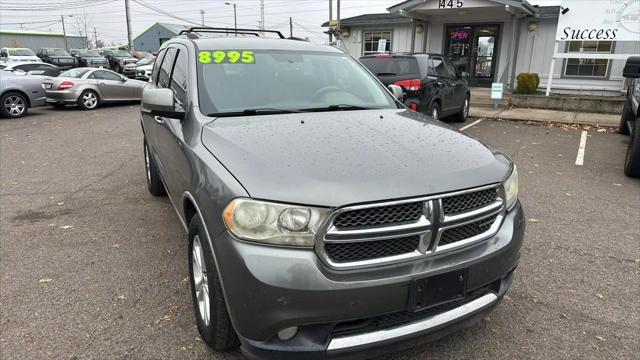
x=494 y=40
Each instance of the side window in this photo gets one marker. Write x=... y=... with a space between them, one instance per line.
x=156 y=66
x=440 y=68
x=449 y=66
x=164 y=75
x=179 y=77
x=104 y=75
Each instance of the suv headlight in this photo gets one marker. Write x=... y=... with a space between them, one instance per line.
x=273 y=223
x=511 y=188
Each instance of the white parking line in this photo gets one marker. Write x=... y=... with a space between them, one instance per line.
x=472 y=124
x=581 y=147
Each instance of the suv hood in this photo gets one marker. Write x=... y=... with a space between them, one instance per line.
x=14 y=58
x=347 y=157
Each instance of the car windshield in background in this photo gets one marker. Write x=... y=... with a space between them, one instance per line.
x=21 y=52
x=121 y=53
x=145 y=61
x=90 y=53
x=237 y=81
x=391 y=66
x=58 y=52
x=74 y=73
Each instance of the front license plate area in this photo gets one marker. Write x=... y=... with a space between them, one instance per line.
x=437 y=290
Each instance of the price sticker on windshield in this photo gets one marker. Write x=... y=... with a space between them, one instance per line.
x=226 y=57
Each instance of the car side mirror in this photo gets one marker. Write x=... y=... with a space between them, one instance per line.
x=160 y=102
x=632 y=68
x=123 y=79
x=462 y=75
x=397 y=92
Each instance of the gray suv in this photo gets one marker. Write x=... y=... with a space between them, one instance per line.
x=324 y=218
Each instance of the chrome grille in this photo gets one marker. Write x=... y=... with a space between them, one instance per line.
x=382 y=215
x=382 y=233
x=470 y=201
x=365 y=250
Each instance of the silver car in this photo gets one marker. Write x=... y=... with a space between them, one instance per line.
x=90 y=87
x=19 y=93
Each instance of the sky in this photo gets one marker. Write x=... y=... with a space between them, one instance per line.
x=108 y=16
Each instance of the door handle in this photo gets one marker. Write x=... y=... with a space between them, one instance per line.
x=158 y=119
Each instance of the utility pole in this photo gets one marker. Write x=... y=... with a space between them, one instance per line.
x=86 y=35
x=202 y=15
x=64 y=34
x=261 y=14
x=290 y=27
x=126 y=11
x=338 y=18
x=95 y=36
x=330 y=20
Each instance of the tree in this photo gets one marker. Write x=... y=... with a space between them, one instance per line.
x=82 y=23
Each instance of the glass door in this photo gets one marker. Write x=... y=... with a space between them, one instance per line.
x=458 y=46
x=484 y=51
x=473 y=48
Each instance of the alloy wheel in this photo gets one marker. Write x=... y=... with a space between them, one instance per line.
x=14 y=105
x=465 y=110
x=434 y=113
x=200 y=280
x=90 y=100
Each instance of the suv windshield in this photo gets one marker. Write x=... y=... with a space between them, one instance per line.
x=391 y=66
x=21 y=52
x=90 y=53
x=58 y=52
x=288 y=80
x=74 y=73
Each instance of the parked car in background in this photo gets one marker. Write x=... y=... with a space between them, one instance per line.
x=324 y=218
x=89 y=58
x=129 y=70
x=19 y=93
x=11 y=55
x=142 y=54
x=57 y=56
x=630 y=119
x=90 y=87
x=118 y=59
x=430 y=83
x=33 y=68
x=143 y=72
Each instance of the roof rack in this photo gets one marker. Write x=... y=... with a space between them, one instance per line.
x=227 y=31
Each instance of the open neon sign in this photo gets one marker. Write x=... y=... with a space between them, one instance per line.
x=459 y=35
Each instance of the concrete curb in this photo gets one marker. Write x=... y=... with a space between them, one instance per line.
x=565 y=117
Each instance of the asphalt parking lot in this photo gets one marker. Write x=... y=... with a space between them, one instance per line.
x=92 y=266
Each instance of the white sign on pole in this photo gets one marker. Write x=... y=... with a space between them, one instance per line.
x=496 y=91
x=614 y=20
x=382 y=45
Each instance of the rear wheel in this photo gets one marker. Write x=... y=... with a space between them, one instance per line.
x=117 y=68
x=632 y=161
x=14 y=105
x=434 y=111
x=464 y=112
x=88 y=100
x=154 y=183
x=209 y=305
x=627 y=115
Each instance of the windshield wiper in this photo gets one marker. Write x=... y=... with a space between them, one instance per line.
x=338 y=107
x=251 y=112
x=386 y=74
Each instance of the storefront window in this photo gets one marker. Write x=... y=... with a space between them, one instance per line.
x=376 y=42
x=588 y=67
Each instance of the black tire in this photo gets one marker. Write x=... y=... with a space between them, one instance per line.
x=627 y=115
x=117 y=68
x=632 y=161
x=464 y=112
x=434 y=111
x=13 y=105
x=90 y=103
x=218 y=333
x=154 y=182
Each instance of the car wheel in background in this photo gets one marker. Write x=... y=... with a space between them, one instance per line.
x=623 y=128
x=209 y=305
x=117 y=69
x=464 y=112
x=434 y=110
x=632 y=161
x=88 y=100
x=154 y=183
x=14 y=105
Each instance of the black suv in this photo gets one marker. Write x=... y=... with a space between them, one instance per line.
x=630 y=120
x=89 y=58
x=430 y=82
x=57 y=56
x=118 y=59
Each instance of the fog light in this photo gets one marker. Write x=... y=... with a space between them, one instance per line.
x=288 y=333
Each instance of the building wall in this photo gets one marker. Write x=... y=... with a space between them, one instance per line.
x=35 y=42
x=400 y=41
x=150 y=39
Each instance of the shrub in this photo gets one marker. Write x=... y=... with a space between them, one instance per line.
x=527 y=83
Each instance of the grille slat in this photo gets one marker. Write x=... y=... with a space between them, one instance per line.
x=379 y=216
x=470 y=201
x=463 y=232
x=366 y=250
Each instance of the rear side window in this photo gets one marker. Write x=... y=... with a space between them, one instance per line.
x=391 y=66
x=164 y=75
x=437 y=67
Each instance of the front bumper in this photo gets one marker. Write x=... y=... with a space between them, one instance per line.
x=62 y=97
x=129 y=72
x=268 y=289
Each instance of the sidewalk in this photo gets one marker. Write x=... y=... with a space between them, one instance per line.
x=567 y=117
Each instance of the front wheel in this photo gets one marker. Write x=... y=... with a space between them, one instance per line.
x=154 y=183
x=88 y=100
x=632 y=161
x=623 y=128
x=14 y=105
x=464 y=112
x=209 y=305
x=434 y=111
x=117 y=69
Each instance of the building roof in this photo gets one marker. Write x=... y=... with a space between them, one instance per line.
x=548 y=12
x=35 y=33
x=367 y=19
x=410 y=4
x=172 y=28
